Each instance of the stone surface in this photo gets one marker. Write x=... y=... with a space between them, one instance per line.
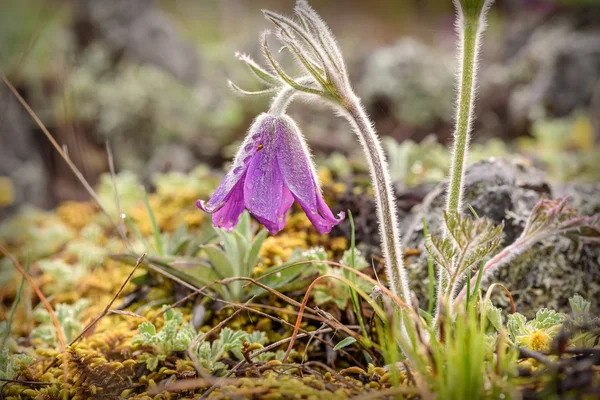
x=501 y=190
x=550 y=69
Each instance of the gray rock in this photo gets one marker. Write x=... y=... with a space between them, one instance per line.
x=501 y=190
x=556 y=72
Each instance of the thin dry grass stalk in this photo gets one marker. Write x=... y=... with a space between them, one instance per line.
x=112 y=301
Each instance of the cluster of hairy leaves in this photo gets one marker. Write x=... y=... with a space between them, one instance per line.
x=174 y=336
x=201 y=261
x=178 y=336
x=11 y=364
x=537 y=334
x=69 y=318
x=210 y=354
x=236 y=257
x=232 y=344
x=467 y=241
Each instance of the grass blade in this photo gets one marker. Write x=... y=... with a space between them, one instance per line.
x=468 y=288
x=13 y=310
x=344 y=343
x=155 y=228
x=430 y=272
x=353 y=295
x=137 y=233
x=478 y=283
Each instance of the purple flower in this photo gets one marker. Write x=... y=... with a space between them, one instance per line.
x=270 y=171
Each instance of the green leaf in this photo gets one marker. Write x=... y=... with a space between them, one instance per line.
x=259 y=337
x=243 y=245
x=184 y=337
x=178 y=240
x=138 y=234
x=282 y=275
x=147 y=328
x=231 y=339
x=579 y=305
x=494 y=315
x=254 y=252
x=243 y=227
x=546 y=318
x=516 y=325
x=219 y=260
x=441 y=251
x=155 y=228
x=152 y=362
x=345 y=342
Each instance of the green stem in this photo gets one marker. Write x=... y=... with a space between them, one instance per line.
x=464 y=115
x=469 y=36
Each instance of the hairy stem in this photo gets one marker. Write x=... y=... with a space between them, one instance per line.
x=464 y=115
x=470 y=28
x=384 y=197
x=284 y=97
x=280 y=103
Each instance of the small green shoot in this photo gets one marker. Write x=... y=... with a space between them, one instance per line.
x=69 y=319
x=11 y=364
x=174 y=336
x=231 y=343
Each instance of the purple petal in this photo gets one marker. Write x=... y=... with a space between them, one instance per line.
x=294 y=162
x=263 y=188
x=259 y=128
x=322 y=219
x=299 y=177
x=228 y=215
x=286 y=204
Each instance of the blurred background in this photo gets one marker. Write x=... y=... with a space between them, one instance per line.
x=150 y=79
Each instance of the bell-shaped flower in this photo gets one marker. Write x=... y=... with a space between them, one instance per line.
x=271 y=169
